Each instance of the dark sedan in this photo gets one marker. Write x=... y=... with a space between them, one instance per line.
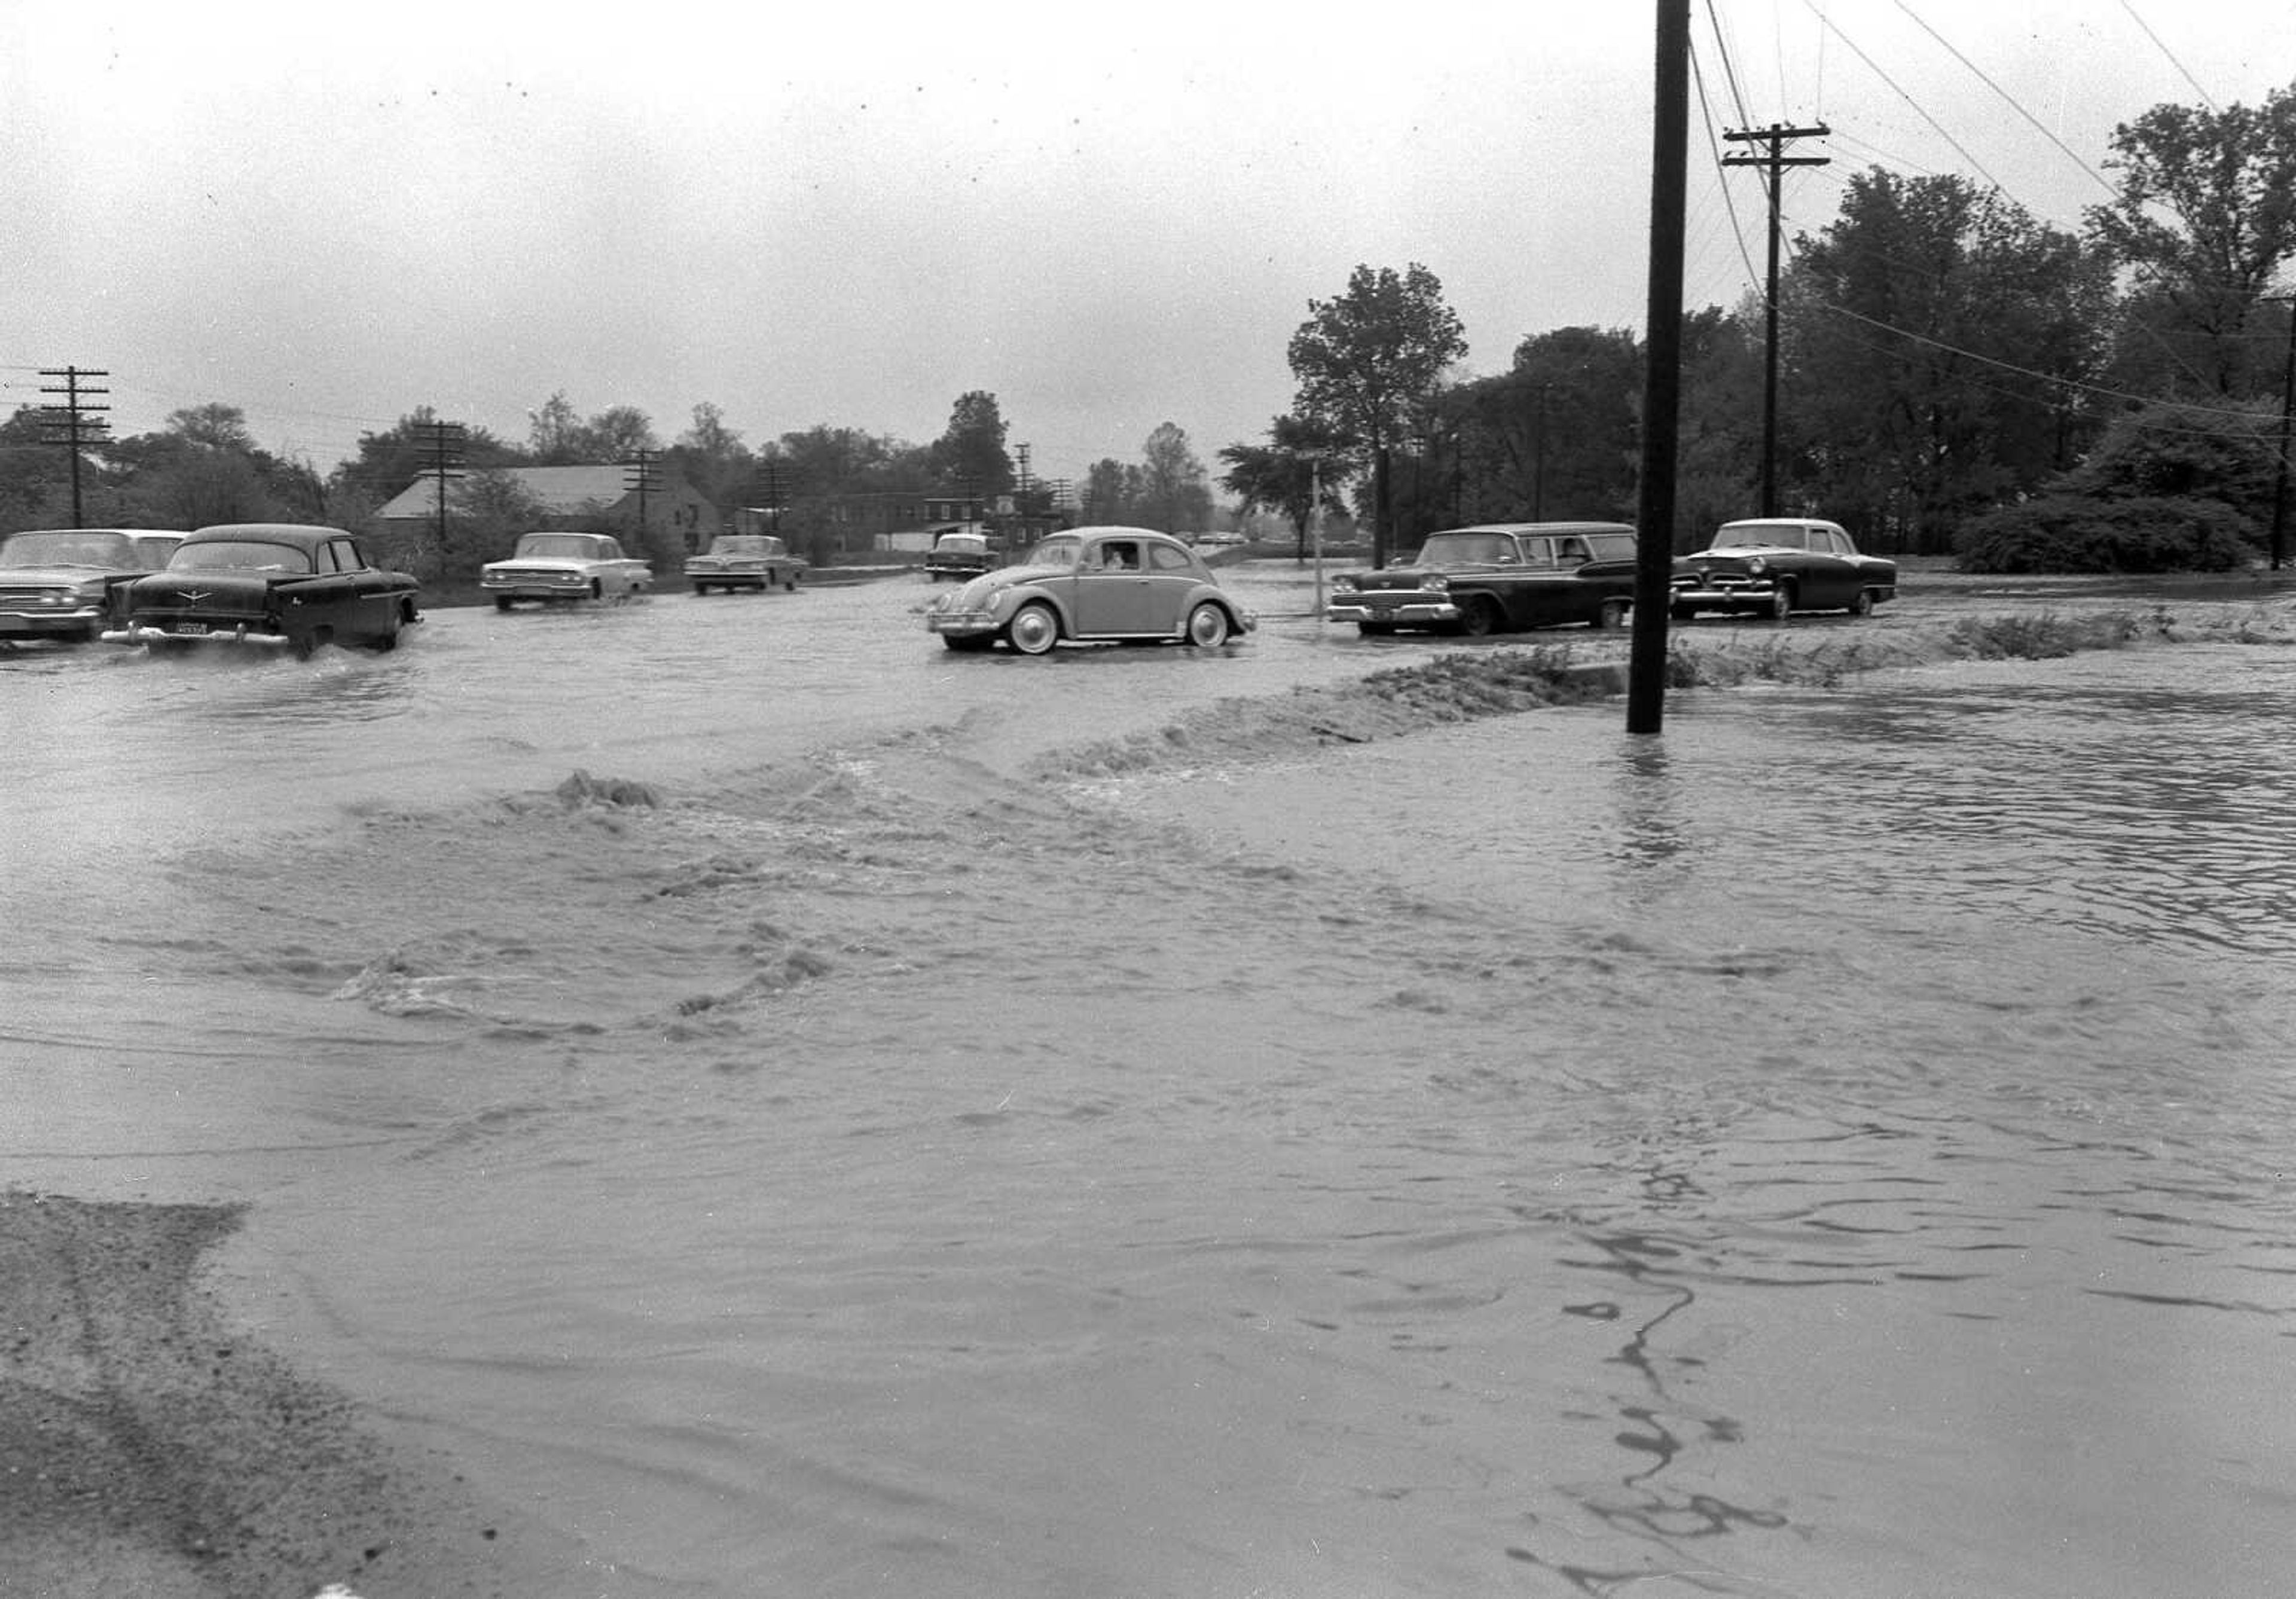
x=1497 y=575
x=1773 y=566
x=275 y=586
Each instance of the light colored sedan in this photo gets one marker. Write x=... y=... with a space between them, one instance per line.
x=558 y=567
x=53 y=580
x=1093 y=585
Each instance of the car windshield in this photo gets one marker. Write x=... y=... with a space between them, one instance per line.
x=1785 y=535
x=1060 y=551
x=1465 y=549
x=69 y=549
x=562 y=547
x=742 y=544
x=239 y=556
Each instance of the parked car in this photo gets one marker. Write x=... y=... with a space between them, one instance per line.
x=1496 y=576
x=53 y=579
x=1120 y=585
x=1773 y=566
x=561 y=568
x=279 y=586
x=959 y=555
x=758 y=560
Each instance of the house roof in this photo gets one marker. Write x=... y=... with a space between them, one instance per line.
x=563 y=490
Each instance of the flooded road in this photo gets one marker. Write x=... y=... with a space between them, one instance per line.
x=1838 y=1149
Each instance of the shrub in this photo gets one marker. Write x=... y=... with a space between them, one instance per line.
x=2081 y=533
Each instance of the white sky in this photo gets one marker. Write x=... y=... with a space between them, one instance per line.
x=1109 y=216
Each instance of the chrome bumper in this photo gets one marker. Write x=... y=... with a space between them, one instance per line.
x=222 y=635
x=1408 y=613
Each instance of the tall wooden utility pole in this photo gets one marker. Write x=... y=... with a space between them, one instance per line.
x=1775 y=137
x=1662 y=380
x=75 y=423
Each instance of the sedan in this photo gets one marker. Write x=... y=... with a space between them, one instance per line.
x=274 y=585
x=561 y=568
x=1774 y=566
x=53 y=580
x=1103 y=584
x=758 y=560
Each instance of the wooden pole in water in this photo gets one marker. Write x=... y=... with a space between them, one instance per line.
x=1662 y=380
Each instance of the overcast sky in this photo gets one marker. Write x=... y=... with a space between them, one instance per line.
x=1109 y=216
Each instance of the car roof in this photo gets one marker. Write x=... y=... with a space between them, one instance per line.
x=1784 y=522
x=1545 y=527
x=1117 y=529
x=131 y=532
x=304 y=533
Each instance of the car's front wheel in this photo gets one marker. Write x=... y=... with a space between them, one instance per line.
x=1781 y=602
x=1863 y=605
x=502 y=601
x=1612 y=613
x=1479 y=617
x=1034 y=630
x=1207 y=626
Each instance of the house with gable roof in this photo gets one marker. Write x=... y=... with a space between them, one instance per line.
x=596 y=499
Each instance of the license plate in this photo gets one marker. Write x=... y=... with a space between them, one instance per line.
x=190 y=626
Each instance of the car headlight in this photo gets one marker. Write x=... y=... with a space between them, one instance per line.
x=1436 y=582
x=1343 y=584
x=1756 y=567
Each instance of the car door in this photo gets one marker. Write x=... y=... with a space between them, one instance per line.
x=1113 y=591
x=1531 y=590
x=351 y=600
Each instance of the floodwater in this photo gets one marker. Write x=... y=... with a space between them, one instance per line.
x=1841 y=1147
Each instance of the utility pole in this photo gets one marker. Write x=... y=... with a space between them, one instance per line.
x=642 y=473
x=442 y=442
x=1663 y=376
x=2287 y=401
x=1775 y=137
x=73 y=423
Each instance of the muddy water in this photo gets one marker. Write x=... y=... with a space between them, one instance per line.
x=1840 y=1148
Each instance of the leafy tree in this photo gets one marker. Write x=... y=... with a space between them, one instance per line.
x=554 y=436
x=1934 y=335
x=2206 y=216
x=712 y=456
x=617 y=433
x=970 y=454
x=214 y=426
x=1113 y=493
x=1365 y=359
x=1283 y=474
x=1174 y=492
x=388 y=460
x=1718 y=471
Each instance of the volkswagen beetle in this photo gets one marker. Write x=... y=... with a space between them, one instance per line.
x=1106 y=585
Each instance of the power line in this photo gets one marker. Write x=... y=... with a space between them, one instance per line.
x=2014 y=103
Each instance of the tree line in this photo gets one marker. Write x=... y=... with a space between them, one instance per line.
x=203 y=466
x=1954 y=376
